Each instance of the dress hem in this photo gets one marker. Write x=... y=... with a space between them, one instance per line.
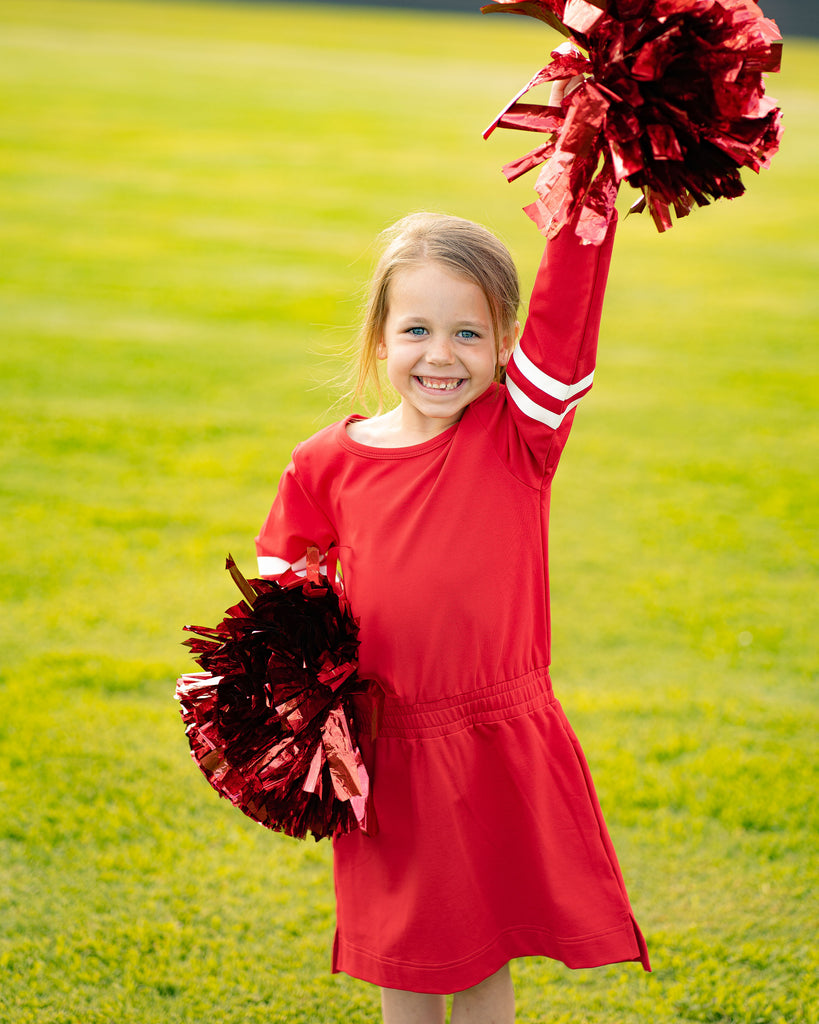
x=621 y=945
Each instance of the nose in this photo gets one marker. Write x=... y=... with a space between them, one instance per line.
x=439 y=350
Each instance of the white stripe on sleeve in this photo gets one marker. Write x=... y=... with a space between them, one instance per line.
x=269 y=565
x=543 y=382
x=535 y=411
x=272 y=565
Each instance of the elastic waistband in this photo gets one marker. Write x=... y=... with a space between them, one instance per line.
x=496 y=703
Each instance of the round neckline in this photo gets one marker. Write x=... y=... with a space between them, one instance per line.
x=405 y=452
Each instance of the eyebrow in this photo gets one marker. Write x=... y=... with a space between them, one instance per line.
x=461 y=324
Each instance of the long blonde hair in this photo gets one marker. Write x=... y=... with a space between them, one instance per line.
x=467 y=250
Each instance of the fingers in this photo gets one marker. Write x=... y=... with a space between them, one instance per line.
x=562 y=87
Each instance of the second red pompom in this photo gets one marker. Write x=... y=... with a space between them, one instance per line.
x=271 y=721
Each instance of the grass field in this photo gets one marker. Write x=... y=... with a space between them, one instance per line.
x=188 y=196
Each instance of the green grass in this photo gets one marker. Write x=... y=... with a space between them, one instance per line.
x=188 y=200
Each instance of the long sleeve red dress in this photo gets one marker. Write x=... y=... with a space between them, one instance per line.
x=491 y=843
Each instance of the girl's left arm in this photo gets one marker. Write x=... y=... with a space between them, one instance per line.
x=553 y=366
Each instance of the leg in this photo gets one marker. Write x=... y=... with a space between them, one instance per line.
x=399 y=1007
x=490 y=1002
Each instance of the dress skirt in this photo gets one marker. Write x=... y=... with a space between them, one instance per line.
x=491 y=846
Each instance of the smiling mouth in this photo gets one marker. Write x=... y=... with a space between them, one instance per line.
x=440 y=383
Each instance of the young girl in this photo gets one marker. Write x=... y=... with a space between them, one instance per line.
x=491 y=844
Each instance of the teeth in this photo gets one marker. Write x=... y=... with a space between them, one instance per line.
x=440 y=385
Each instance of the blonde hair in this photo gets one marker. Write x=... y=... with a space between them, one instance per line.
x=467 y=250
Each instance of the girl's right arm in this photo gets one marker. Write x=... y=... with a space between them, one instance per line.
x=294 y=523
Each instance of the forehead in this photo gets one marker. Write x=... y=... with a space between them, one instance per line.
x=434 y=289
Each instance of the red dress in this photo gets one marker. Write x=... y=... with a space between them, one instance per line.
x=491 y=843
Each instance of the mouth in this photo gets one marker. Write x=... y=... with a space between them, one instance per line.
x=440 y=383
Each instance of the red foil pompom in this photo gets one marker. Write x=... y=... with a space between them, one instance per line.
x=271 y=720
x=672 y=101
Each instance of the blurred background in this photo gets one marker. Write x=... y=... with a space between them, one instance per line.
x=794 y=17
x=189 y=194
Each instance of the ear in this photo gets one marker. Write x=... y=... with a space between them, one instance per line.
x=507 y=345
x=381 y=350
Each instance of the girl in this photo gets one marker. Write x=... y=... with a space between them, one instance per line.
x=491 y=844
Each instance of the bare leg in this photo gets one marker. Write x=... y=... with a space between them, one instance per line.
x=490 y=1002
x=399 y=1007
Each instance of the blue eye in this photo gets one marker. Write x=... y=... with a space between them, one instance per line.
x=467 y=335
x=417 y=332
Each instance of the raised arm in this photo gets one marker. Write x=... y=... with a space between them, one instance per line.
x=553 y=366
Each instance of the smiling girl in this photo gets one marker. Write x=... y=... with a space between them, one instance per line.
x=491 y=844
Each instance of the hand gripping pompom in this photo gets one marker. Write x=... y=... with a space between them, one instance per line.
x=672 y=101
x=271 y=720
